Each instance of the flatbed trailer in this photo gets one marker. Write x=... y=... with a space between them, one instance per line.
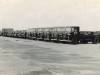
x=68 y=34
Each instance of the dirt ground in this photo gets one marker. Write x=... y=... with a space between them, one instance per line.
x=29 y=57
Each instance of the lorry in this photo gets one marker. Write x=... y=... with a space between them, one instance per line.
x=66 y=34
x=7 y=31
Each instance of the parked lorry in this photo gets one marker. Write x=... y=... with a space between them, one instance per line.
x=31 y=33
x=68 y=34
x=7 y=32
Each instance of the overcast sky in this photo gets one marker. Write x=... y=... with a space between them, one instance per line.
x=23 y=14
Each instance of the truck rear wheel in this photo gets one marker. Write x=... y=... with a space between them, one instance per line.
x=50 y=37
x=43 y=37
x=95 y=41
x=58 y=38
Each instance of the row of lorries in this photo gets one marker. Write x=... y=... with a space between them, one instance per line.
x=65 y=34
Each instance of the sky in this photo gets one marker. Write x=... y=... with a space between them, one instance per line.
x=24 y=14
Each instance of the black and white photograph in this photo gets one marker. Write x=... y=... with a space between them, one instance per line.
x=49 y=37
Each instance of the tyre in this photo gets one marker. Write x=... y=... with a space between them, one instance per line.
x=49 y=37
x=95 y=41
x=43 y=37
x=35 y=36
x=58 y=38
x=74 y=42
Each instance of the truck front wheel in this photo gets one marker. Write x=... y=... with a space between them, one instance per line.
x=75 y=41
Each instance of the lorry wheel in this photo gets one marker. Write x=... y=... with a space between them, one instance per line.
x=42 y=38
x=95 y=41
x=74 y=42
x=58 y=38
x=49 y=39
x=35 y=38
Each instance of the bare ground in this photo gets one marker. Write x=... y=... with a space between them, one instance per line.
x=29 y=57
